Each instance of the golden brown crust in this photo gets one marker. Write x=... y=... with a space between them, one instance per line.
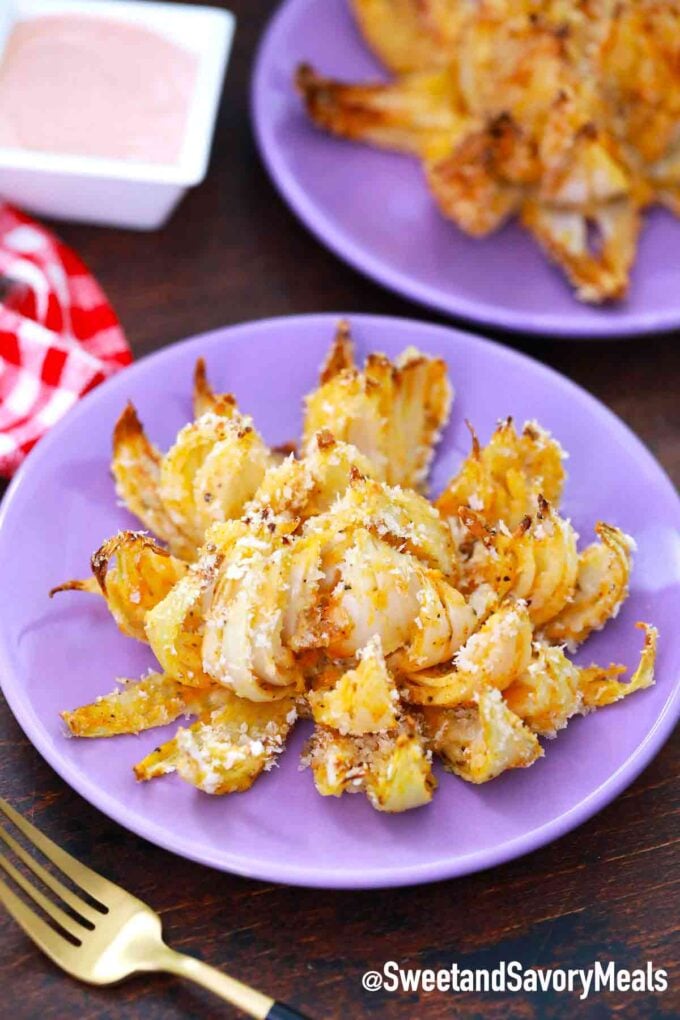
x=393 y=412
x=419 y=114
x=129 y=429
x=100 y=559
x=136 y=465
x=203 y=391
x=340 y=357
x=566 y=115
x=409 y=35
x=205 y=399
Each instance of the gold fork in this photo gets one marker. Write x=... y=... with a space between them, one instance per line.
x=111 y=934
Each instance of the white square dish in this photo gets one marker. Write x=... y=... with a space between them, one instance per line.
x=116 y=192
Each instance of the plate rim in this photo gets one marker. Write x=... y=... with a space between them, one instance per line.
x=535 y=326
x=316 y=877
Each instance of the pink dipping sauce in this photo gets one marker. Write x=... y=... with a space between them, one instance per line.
x=91 y=86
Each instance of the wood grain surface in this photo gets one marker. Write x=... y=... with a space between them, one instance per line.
x=609 y=890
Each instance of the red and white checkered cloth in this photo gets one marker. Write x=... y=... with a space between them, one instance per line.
x=59 y=336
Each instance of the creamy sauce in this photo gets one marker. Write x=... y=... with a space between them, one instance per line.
x=92 y=86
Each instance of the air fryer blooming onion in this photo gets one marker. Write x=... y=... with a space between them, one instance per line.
x=328 y=586
x=565 y=114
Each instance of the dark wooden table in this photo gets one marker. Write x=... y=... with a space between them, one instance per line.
x=609 y=890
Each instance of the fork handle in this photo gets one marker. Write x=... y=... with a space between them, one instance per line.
x=280 y=1011
x=245 y=998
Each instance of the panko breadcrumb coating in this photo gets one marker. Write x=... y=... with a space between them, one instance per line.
x=328 y=586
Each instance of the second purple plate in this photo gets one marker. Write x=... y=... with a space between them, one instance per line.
x=373 y=209
x=59 y=653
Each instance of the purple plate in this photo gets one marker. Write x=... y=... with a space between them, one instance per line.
x=374 y=211
x=58 y=654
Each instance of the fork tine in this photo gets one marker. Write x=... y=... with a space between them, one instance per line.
x=46 y=938
x=51 y=909
x=89 y=881
x=70 y=898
